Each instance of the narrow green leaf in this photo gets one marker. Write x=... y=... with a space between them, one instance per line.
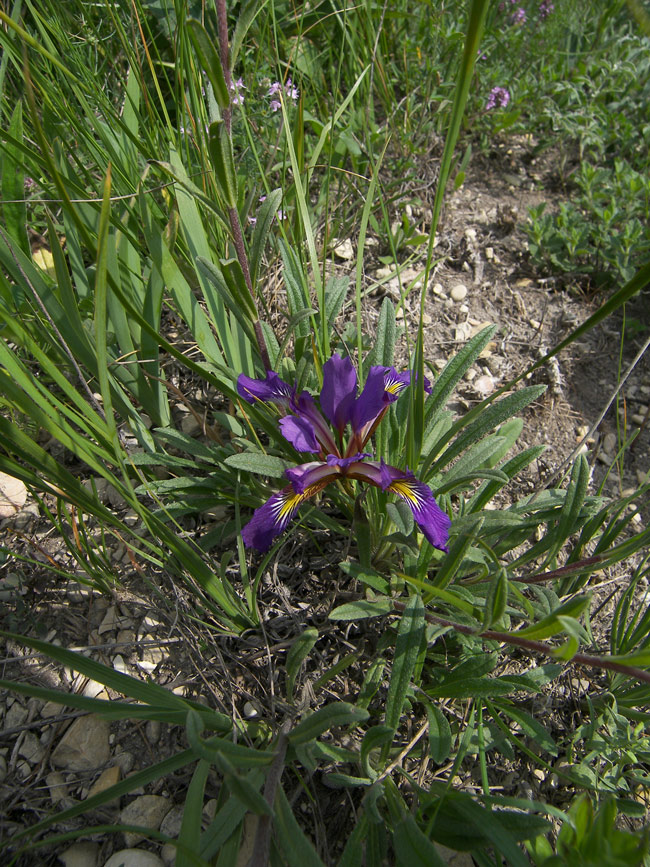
x=478 y=422
x=149 y=693
x=223 y=162
x=247 y=12
x=362 y=609
x=371 y=682
x=216 y=748
x=530 y=726
x=497 y=599
x=455 y=369
x=296 y=848
x=383 y=350
x=409 y=639
x=457 y=551
x=210 y=61
x=551 y=625
x=13 y=183
x=265 y=216
x=101 y=310
x=258 y=463
x=297 y=654
x=338 y=713
x=412 y=847
x=189 y=838
x=375 y=737
x=439 y=734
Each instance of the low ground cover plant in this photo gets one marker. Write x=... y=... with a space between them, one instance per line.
x=454 y=603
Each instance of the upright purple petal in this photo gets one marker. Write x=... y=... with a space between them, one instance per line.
x=344 y=463
x=305 y=407
x=270 y=390
x=396 y=382
x=371 y=402
x=300 y=433
x=339 y=390
x=428 y=515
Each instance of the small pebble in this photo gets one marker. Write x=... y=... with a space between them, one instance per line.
x=458 y=292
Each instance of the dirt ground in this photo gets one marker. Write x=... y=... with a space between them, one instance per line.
x=141 y=628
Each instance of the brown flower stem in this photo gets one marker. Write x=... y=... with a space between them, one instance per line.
x=224 y=53
x=570 y=569
x=537 y=646
x=233 y=213
x=261 y=846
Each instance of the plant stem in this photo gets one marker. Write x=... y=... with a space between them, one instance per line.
x=537 y=646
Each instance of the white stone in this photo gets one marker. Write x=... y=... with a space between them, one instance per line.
x=119 y=664
x=438 y=289
x=343 y=249
x=484 y=385
x=609 y=443
x=458 y=292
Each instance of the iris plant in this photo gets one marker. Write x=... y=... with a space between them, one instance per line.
x=322 y=433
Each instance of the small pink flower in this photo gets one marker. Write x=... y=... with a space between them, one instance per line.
x=499 y=98
x=236 y=88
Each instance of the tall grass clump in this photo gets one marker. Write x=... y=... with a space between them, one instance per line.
x=172 y=179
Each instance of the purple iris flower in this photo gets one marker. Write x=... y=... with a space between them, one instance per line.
x=306 y=428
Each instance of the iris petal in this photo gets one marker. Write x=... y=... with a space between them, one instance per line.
x=339 y=390
x=300 y=433
x=270 y=390
x=274 y=516
x=428 y=515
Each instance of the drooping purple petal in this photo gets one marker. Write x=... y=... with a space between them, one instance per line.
x=315 y=474
x=271 y=519
x=339 y=390
x=428 y=515
x=280 y=509
x=270 y=390
x=300 y=433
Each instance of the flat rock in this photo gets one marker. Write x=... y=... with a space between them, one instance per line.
x=80 y=855
x=171 y=824
x=147 y=811
x=84 y=746
x=134 y=858
x=106 y=779
x=13 y=494
x=57 y=786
